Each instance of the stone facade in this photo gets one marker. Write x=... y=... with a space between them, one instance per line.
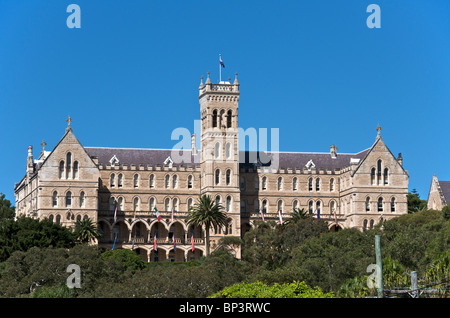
x=73 y=182
x=439 y=195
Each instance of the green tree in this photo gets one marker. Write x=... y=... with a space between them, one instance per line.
x=128 y=258
x=415 y=204
x=206 y=212
x=86 y=231
x=7 y=212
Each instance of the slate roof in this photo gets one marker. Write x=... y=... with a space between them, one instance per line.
x=445 y=188
x=286 y=159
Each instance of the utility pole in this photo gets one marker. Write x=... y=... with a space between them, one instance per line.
x=380 y=286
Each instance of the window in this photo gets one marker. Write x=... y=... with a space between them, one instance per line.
x=295 y=205
x=58 y=219
x=310 y=184
x=68 y=164
x=75 y=170
x=214 y=118
x=228 y=204
x=379 y=172
x=372 y=176
x=393 y=205
x=112 y=180
x=294 y=184
x=167 y=182
x=189 y=182
x=243 y=206
x=136 y=180
x=190 y=203
x=367 y=204
x=332 y=188
x=371 y=224
x=333 y=207
x=175 y=204
x=228 y=150
x=242 y=183
x=68 y=199
x=229 y=117
x=152 y=181
x=82 y=199
x=217 y=150
x=217 y=176
x=175 y=181
x=120 y=204
x=380 y=205
x=120 y=180
x=55 y=199
x=311 y=207
x=364 y=226
x=112 y=203
x=152 y=204
x=264 y=183
x=280 y=183
x=318 y=184
x=318 y=207
x=136 y=204
x=218 y=199
x=228 y=177
x=264 y=206
x=167 y=204
x=61 y=169
x=280 y=205
x=386 y=176
x=256 y=205
x=256 y=183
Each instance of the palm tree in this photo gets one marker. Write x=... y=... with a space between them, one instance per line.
x=86 y=231
x=207 y=212
x=298 y=214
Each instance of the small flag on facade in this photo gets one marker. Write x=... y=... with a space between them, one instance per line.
x=171 y=218
x=262 y=214
x=174 y=245
x=279 y=215
x=157 y=215
x=115 y=215
x=318 y=214
x=192 y=242
x=155 y=246
x=114 y=244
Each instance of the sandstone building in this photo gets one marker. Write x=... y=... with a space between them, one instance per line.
x=439 y=195
x=73 y=182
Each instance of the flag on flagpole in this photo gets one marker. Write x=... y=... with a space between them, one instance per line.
x=279 y=215
x=157 y=215
x=132 y=245
x=221 y=62
x=318 y=214
x=192 y=242
x=115 y=215
x=262 y=214
x=155 y=246
x=114 y=244
x=134 y=217
x=171 y=218
x=174 y=245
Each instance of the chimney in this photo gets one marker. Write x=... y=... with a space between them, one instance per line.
x=333 y=151
x=193 y=141
x=400 y=159
x=30 y=167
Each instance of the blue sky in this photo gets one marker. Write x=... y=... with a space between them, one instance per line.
x=129 y=76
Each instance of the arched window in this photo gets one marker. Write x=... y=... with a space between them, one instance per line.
x=218 y=199
x=386 y=176
x=136 y=181
x=190 y=203
x=228 y=177
x=242 y=183
x=294 y=184
x=175 y=204
x=256 y=205
x=120 y=204
x=228 y=150
x=380 y=205
x=280 y=205
x=217 y=176
x=120 y=180
x=112 y=180
x=228 y=206
x=61 y=169
x=393 y=205
x=295 y=204
x=112 y=203
x=371 y=224
x=318 y=184
x=311 y=207
x=310 y=184
x=189 y=183
x=229 y=117
x=75 y=170
x=55 y=199
x=58 y=219
x=264 y=206
x=136 y=202
x=167 y=181
x=318 y=207
x=367 y=204
x=364 y=225
x=332 y=207
x=82 y=199
x=68 y=199
x=264 y=183
x=332 y=187
x=372 y=176
x=214 y=118
x=243 y=206
x=152 y=204
x=68 y=164
x=379 y=172
x=217 y=150
x=51 y=218
x=167 y=204
x=152 y=181
x=280 y=183
x=175 y=181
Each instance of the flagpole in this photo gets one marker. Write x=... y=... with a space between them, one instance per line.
x=220 y=70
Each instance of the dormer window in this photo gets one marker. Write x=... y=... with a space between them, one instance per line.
x=114 y=161
x=168 y=162
x=310 y=165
